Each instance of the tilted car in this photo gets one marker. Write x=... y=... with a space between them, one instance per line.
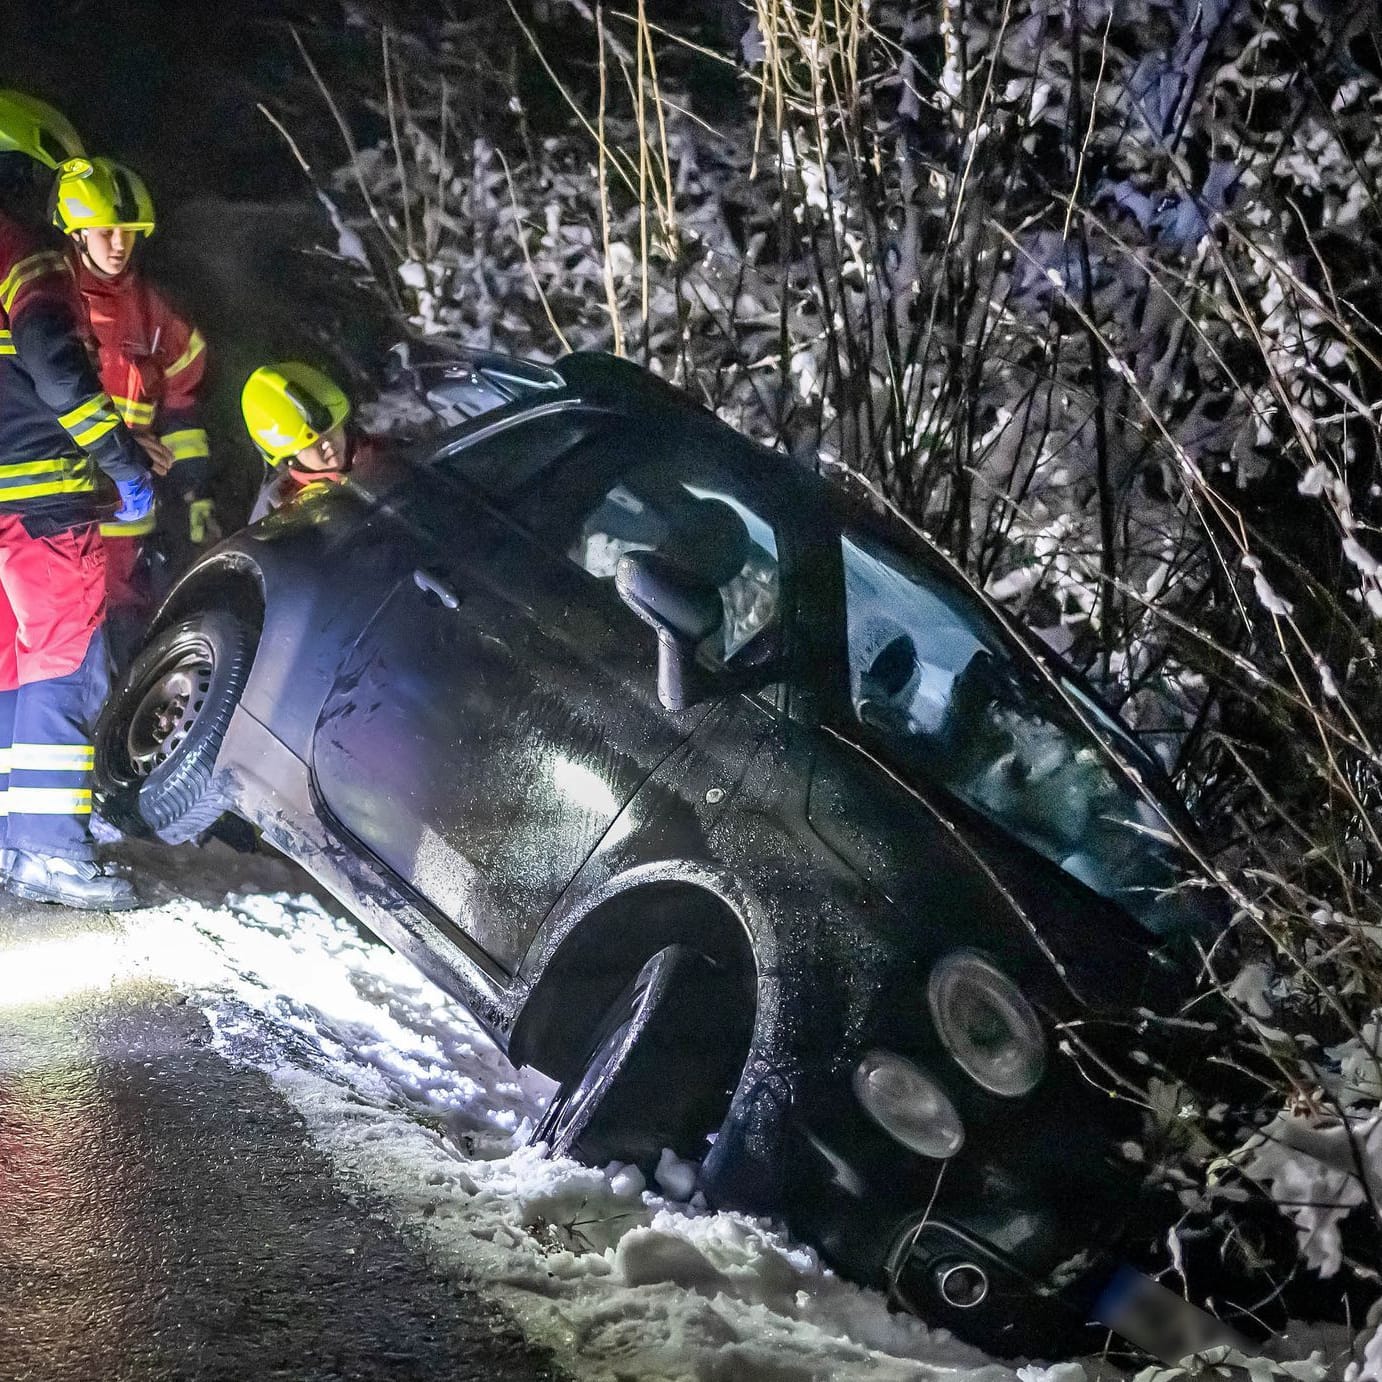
x=723 y=801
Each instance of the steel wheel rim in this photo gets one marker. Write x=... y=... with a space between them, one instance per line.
x=612 y=1050
x=168 y=710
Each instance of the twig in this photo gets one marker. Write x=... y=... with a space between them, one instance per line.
x=351 y=148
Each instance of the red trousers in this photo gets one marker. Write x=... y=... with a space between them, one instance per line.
x=52 y=600
x=53 y=679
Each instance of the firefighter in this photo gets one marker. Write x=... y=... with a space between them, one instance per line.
x=152 y=363
x=63 y=449
x=300 y=421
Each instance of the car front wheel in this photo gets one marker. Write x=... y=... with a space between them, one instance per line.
x=658 y=1070
x=163 y=726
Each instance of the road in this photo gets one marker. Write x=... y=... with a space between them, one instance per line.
x=163 y=1215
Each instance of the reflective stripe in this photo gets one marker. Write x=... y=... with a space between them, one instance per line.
x=66 y=475
x=43 y=467
x=52 y=758
x=95 y=431
x=7 y=346
x=90 y=421
x=135 y=413
x=98 y=406
x=35 y=266
x=15 y=493
x=4 y=760
x=187 y=444
x=195 y=345
x=97 y=403
x=48 y=801
x=136 y=527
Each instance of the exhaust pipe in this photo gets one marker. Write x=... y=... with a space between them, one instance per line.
x=962 y=1285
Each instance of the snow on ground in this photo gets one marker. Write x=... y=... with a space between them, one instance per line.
x=406 y=1092
x=415 y=1104
x=403 y=1089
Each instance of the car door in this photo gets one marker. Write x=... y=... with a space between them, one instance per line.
x=500 y=710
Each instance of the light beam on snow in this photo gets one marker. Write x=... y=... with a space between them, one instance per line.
x=49 y=970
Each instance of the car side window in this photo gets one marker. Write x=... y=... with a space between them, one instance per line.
x=694 y=511
x=950 y=699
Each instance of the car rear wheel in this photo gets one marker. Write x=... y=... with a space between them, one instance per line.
x=659 y=1069
x=159 y=735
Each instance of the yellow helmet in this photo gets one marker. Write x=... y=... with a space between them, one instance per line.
x=30 y=126
x=288 y=406
x=99 y=192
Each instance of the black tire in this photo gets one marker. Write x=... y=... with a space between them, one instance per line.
x=159 y=735
x=659 y=1070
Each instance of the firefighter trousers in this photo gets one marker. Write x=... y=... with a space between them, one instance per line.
x=53 y=681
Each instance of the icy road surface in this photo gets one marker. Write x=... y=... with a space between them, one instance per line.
x=418 y=1115
x=163 y=1214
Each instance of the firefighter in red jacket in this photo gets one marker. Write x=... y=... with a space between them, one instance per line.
x=63 y=455
x=152 y=363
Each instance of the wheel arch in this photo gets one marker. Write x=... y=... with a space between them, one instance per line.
x=604 y=950
x=229 y=580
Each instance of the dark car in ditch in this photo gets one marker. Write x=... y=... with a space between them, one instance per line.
x=723 y=800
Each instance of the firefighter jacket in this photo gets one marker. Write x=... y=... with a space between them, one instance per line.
x=58 y=426
x=152 y=363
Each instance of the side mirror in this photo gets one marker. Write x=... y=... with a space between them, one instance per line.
x=683 y=611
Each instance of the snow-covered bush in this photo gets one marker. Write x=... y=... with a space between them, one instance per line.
x=1089 y=291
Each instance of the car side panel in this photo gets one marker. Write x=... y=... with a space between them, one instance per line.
x=727 y=814
x=270 y=786
x=321 y=568
x=482 y=747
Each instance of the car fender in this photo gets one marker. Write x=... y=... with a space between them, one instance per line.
x=320 y=568
x=608 y=924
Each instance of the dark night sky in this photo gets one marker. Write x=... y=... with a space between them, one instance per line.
x=168 y=85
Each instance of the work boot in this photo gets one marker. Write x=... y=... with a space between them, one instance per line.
x=71 y=882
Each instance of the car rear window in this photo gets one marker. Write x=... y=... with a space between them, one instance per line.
x=503 y=456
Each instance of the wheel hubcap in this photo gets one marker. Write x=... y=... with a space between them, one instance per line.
x=167 y=712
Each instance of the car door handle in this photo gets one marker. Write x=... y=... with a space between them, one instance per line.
x=430 y=584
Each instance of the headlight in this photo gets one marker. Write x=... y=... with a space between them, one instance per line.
x=987 y=1024
x=908 y=1105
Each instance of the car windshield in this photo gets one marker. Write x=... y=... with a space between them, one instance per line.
x=957 y=701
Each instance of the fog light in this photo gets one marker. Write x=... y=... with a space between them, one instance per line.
x=987 y=1024
x=961 y=1284
x=908 y=1105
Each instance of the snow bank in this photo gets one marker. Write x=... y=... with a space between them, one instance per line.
x=1318 y=1173
x=419 y=1109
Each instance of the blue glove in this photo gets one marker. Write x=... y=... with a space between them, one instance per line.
x=136 y=499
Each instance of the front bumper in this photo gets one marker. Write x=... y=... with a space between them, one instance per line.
x=993 y=1245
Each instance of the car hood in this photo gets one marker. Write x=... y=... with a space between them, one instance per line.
x=952 y=879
